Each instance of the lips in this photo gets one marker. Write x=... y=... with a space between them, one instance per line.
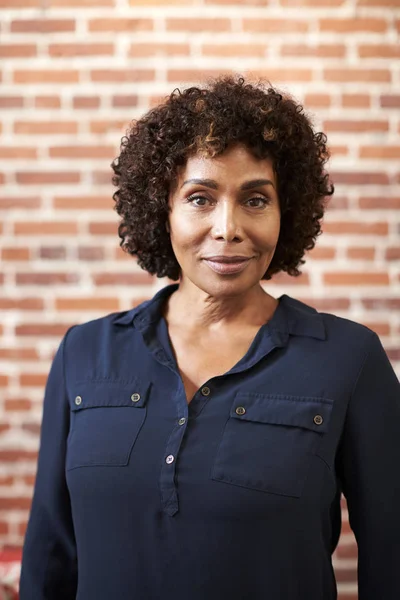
x=223 y=267
x=228 y=259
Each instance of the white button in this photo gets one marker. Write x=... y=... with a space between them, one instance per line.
x=135 y=397
x=182 y=421
x=78 y=400
x=318 y=420
x=169 y=459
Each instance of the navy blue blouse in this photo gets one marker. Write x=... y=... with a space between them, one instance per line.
x=142 y=496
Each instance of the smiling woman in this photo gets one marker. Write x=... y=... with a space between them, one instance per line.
x=197 y=446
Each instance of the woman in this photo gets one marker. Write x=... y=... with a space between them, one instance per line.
x=196 y=447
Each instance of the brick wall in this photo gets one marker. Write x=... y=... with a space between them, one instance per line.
x=75 y=72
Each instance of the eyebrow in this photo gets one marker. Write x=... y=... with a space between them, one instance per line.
x=247 y=185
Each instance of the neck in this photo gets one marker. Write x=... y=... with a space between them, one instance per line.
x=201 y=311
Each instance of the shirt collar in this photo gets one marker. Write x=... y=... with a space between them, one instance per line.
x=291 y=317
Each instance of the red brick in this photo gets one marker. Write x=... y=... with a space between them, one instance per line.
x=82 y=152
x=380 y=328
x=45 y=228
x=380 y=202
x=41 y=25
x=53 y=252
x=392 y=253
x=15 y=503
x=49 y=76
x=356 y=100
x=348 y=575
x=122 y=101
x=18 y=354
x=122 y=75
x=121 y=24
x=356 y=228
x=26 y=303
x=101 y=177
x=380 y=152
x=359 y=178
x=141 y=50
x=32 y=379
x=379 y=303
x=87 y=49
x=379 y=3
x=11 y=101
x=46 y=278
x=317 y=100
x=230 y=50
x=81 y=3
x=47 y=102
x=47 y=178
x=91 y=303
x=42 y=329
x=86 y=102
x=278 y=75
x=18 y=455
x=103 y=228
x=361 y=253
x=29 y=203
x=354 y=126
x=105 y=126
x=15 y=254
x=4 y=381
x=20 y=4
x=278 y=26
x=390 y=100
x=17 y=50
x=17 y=153
x=322 y=253
x=355 y=278
x=122 y=278
x=347 y=74
x=200 y=25
x=379 y=51
x=91 y=253
x=353 y=25
x=317 y=50
x=83 y=202
x=46 y=127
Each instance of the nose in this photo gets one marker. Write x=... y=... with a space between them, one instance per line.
x=226 y=222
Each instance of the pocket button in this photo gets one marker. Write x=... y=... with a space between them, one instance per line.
x=240 y=410
x=135 y=397
x=318 y=420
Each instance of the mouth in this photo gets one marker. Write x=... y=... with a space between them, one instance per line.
x=227 y=266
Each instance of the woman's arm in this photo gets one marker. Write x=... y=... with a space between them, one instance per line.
x=369 y=467
x=49 y=566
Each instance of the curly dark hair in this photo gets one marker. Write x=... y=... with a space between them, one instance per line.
x=206 y=120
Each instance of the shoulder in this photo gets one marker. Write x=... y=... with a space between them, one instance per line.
x=337 y=329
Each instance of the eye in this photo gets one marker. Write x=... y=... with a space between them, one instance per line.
x=191 y=199
x=264 y=201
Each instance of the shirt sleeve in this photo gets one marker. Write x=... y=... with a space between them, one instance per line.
x=49 y=565
x=369 y=469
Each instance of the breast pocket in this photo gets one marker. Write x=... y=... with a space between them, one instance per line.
x=106 y=418
x=268 y=441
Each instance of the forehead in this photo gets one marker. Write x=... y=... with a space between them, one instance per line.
x=237 y=162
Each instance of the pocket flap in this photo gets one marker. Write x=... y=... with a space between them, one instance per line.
x=104 y=392
x=296 y=411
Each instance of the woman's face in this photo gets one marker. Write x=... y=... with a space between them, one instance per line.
x=232 y=210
